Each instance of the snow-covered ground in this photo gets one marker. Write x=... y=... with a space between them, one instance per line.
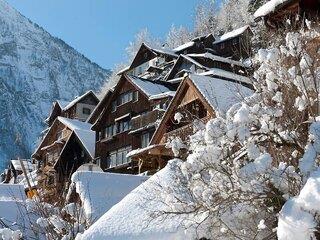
x=139 y=214
x=99 y=191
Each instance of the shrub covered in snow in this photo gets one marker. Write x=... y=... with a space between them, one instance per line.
x=254 y=174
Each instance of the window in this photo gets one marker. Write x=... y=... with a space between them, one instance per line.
x=109 y=131
x=222 y=46
x=145 y=138
x=114 y=106
x=86 y=111
x=119 y=156
x=123 y=126
x=125 y=97
x=59 y=135
x=235 y=41
x=135 y=96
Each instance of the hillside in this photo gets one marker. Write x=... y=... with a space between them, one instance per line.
x=35 y=69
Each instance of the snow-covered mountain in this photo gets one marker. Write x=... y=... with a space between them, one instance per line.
x=35 y=69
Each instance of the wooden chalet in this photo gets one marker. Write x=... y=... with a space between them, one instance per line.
x=128 y=119
x=198 y=99
x=235 y=44
x=68 y=144
x=80 y=108
x=275 y=13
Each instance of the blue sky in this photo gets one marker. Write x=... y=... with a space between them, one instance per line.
x=101 y=29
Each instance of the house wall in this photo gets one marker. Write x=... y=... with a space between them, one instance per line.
x=105 y=146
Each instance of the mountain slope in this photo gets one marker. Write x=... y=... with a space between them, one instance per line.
x=35 y=69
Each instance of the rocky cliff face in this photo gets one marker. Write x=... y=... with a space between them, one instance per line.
x=35 y=69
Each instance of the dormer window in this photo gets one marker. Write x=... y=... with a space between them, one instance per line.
x=86 y=111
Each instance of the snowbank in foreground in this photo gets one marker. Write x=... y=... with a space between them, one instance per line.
x=99 y=191
x=135 y=216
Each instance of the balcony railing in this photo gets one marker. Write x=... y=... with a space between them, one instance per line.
x=146 y=119
x=183 y=132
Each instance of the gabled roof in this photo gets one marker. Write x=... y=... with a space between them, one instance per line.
x=147 y=53
x=81 y=129
x=233 y=34
x=83 y=132
x=78 y=99
x=220 y=94
x=217 y=95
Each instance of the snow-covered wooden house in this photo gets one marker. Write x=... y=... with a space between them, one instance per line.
x=80 y=108
x=68 y=144
x=198 y=99
x=128 y=119
x=275 y=12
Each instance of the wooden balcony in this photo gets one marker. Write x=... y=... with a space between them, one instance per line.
x=145 y=120
x=182 y=132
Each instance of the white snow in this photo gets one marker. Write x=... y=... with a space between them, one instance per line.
x=216 y=58
x=132 y=217
x=163 y=95
x=99 y=191
x=222 y=73
x=27 y=164
x=220 y=94
x=148 y=87
x=232 y=34
x=77 y=99
x=184 y=46
x=83 y=132
x=268 y=7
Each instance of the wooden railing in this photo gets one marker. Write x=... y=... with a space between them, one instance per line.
x=182 y=132
x=146 y=119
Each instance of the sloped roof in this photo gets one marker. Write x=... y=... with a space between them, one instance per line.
x=77 y=99
x=232 y=34
x=270 y=7
x=216 y=58
x=219 y=93
x=17 y=166
x=83 y=132
x=149 y=88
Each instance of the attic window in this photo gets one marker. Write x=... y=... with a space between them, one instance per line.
x=86 y=111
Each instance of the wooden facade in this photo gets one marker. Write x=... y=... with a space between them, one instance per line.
x=189 y=101
x=59 y=154
x=125 y=126
x=235 y=44
x=80 y=108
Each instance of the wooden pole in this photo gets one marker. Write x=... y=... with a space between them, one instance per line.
x=25 y=173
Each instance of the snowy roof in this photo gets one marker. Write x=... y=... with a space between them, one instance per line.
x=83 y=132
x=150 y=88
x=220 y=94
x=77 y=99
x=99 y=191
x=230 y=75
x=216 y=58
x=163 y=95
x=269 y=7
x=132 y=217
x=17 y=166
x=232 y=34
x=184 y=46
